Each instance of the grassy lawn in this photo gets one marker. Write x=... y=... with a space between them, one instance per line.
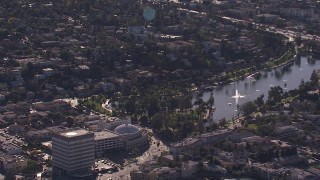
x=252 y=127
x=317 y=166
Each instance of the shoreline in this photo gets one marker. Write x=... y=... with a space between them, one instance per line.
x=221 y=83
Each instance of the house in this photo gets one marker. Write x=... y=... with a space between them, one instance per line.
x=290 y=160
x=188 y=169
x=268 y=18
x=300 y=174
x=14 y=129
x=164 y=173
x=296 y=12
x=286 y=131
x=48 y=72
x=136 y=29
x=256 y=139
x=107 y=87
x=266 y=171
x=236 y=137
x=150 y=170
x=226 y=156
x=139 y=33
x=315 y=172
x=214 y=168
x=168 y=160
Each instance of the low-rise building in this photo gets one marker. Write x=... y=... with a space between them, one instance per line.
x=290 y=160
x=286 y=131
x=168 y=160
x=11 y=148
x=188 y=169
x=13 y=164
x=156 y=173
x=300 y=174
x=100 y=123
x=106 y=141
x=48 y=72
x=133 y=137
x=164 y=173
x=296 y=12
x=267 y=171
x=203 y=139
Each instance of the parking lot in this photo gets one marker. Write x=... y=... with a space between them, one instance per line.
x=106 y=166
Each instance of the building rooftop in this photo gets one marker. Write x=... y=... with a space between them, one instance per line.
x=126 y=129
x=104 y=135
x=9 y=146
x=186 y=142
x=191 y=140
x=74 y=133
x=214 y=133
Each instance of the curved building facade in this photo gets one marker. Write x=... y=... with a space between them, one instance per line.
x=133 y=136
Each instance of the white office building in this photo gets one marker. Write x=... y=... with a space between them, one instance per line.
x=73 y=152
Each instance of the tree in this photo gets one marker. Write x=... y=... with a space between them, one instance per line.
x=70 y=122
x=16 y=95
x=144 y=119
x=314 y=78
x=65 y=55
x=198 y=101
x=298 y=40
x=275 y=95
x=3 y=33
x=157 y=120
x=29 y=71
x=210 y=101
x=9 y=176
x=130 y=106
x=152 y=107
x=248 y=108
x=222 y=122
x=259 y=101
x=12 y=63
x=11 y=20
x=184 y=102
x=31 y=168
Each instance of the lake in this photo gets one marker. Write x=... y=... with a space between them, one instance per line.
x=288 y=77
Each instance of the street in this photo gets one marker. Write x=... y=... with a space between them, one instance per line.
x=153 y=151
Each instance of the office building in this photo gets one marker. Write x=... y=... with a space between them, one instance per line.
x=73 y=152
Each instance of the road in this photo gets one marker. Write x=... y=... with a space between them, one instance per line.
x=153 y=152
x=288 y=33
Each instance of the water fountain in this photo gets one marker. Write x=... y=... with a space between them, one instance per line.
x=237 y=96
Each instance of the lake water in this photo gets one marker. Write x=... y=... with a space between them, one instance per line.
x=288 y=78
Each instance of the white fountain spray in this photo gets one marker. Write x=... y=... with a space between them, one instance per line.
x=237 y=96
